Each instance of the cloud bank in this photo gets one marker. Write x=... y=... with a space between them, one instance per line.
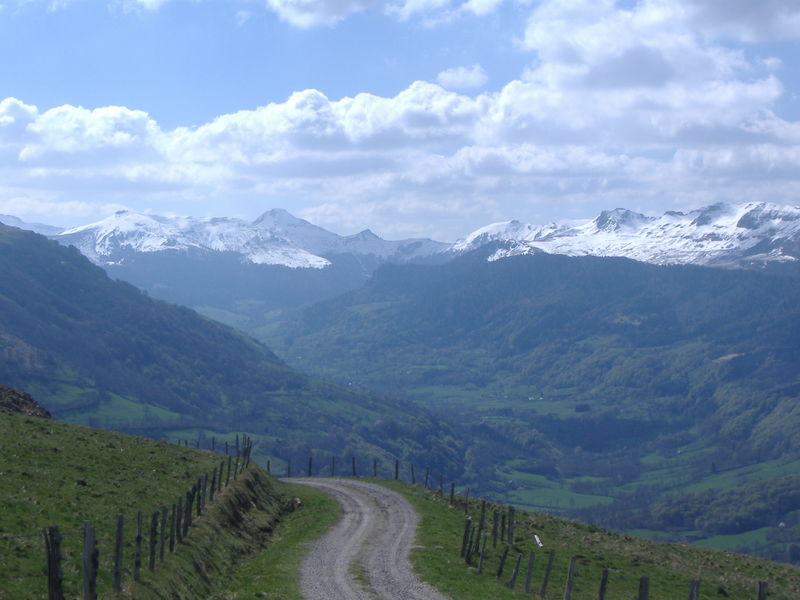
x=645 y=106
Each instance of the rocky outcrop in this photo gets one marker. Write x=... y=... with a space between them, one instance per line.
x=14 y=401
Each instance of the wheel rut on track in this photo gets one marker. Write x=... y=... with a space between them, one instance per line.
x=374 y=538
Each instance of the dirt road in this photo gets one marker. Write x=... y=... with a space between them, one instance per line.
x=365 y=556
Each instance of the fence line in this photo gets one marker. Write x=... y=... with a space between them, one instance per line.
x=476 y=534
x=169 y=526
x=166 y=528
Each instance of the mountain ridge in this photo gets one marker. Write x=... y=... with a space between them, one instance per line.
x=101 y=352
x=742 y=235
x=725 y=235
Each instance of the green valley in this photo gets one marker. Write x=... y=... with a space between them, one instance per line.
x=586 y=385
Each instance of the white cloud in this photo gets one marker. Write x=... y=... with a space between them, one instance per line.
x=52 y=210
x=634 y=105
x=108 y=133
x=405 y=9
x=242 y=17
x=462 y=77
x=311 y=13
x=480 y=7
x=745 y=20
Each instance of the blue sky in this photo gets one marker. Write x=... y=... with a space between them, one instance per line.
x=411 y=117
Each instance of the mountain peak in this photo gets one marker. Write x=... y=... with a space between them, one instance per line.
x=278 y=216
x=364 y=235
x=720 y=234
x=618 y=219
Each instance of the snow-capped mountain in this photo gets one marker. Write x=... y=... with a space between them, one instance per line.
x=275 y=238
x=325 y=243
x=721 y=235
x=113 y=239
x=35 y=227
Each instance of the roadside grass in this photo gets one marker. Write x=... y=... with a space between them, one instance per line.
x=55 y=473
x=274 y=572
x=236 y=525
x=670 y=567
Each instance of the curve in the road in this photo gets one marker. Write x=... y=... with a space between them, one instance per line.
x=376 y=534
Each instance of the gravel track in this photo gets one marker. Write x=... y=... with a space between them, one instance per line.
x=376 y=534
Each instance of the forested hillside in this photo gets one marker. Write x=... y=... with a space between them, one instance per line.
x=583 y=381
x=98 y=351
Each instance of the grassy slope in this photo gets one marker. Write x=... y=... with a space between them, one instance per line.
x=671 y=567
x=273 y=572
x=99 y=352
x=54 y=473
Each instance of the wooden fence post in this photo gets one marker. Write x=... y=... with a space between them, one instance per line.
x=427 y=472
x=413 y=475
x=187 y=515
x=762 y=590
x=55 y=576
x=502 y=526
x=375 y=467
x=151 y=563
x=465 y=537
x=601 y=592
x=213 y=485
x=222 y=466
x=502 y=562
x=466 y=502
x=179 y=520
x=694 y=591
x=137 y=550
x=310 y=465
x=396 y=469
x=511 y=524
x=644 y=588
x=90 y=556
x=198 y=493
x=213 y=444
x=468 y=552
x=480 y=557
x=269 y=469
x=119 y=545
x=172 y=530
x=228 y=472
x=529 y=572
x=546 y=580
x=481 y=523
x=495 y=518
x=513 y=581
x=354 y=465
x=452 y=493
x=163 y=539
x=570 y=579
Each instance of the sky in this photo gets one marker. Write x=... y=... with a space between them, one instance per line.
x=414 y=118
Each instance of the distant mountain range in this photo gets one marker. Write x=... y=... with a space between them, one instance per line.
x=747 y=234
x=249 y=274
x=100 y=352
x=275 y=238
x=752 y=234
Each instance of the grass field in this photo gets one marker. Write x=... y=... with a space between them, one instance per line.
x=273 y=573
x=54 y=473
x=670 y=567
